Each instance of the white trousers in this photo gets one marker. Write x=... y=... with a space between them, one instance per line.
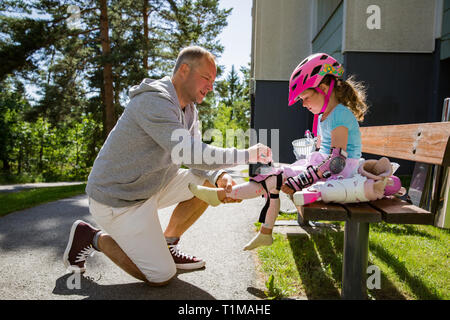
x=137 y=229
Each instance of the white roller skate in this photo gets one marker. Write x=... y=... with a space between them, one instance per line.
x=367 y=185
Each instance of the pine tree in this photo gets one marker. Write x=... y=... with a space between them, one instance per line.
x=234 y=94
x=84 y=69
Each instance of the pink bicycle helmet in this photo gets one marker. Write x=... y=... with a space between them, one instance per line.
x=308 y=75
x=310 y=72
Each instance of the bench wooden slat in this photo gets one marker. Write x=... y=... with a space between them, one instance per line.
x=363 y=212
x=323 y=211
x=395 y=210
x=390 y=210
x=422 y=142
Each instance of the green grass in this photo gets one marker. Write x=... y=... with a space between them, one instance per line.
x=414 y=262
x=245 y=173
x=14 y=201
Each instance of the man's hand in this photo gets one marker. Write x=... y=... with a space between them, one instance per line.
x=260 y=153
x=226 y=182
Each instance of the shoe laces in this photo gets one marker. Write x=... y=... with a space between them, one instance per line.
x=178 y=253
x=84 y=253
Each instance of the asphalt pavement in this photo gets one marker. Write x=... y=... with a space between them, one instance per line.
x=32 y=243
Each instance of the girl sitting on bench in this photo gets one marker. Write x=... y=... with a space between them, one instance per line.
x=337 y=106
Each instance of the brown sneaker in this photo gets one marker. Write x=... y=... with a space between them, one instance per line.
x=80 y=246
x=184 y=261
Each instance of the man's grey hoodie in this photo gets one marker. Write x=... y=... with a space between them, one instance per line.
x=135 y=161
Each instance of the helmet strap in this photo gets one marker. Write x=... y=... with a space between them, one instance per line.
x=325 y=104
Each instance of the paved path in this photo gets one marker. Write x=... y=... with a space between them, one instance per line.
x=32 y=243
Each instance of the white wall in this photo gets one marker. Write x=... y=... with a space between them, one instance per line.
x=406 y=26
x=281 y=37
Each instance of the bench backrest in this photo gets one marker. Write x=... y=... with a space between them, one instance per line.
x=420 y=142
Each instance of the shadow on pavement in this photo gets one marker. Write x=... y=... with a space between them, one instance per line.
x=256 y=292
x=44 y=226
x=87 y=287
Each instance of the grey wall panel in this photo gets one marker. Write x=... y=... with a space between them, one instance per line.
x=271 y=111
x=401 y=89
x=400 y=86
x=329 y=39
x=406 y=26
x=445 y=45
x=323 y=11
x=281 y=37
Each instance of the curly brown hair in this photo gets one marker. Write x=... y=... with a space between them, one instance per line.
x=350 y=93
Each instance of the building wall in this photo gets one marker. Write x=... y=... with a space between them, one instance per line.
x=405 y=64
x=445 y=44
x=444 y=81
x=272 y=112
x=329 y=38
x=395 y=96
x=399 y=62
x=405 y=26
x=322 y=10
x=281 y=39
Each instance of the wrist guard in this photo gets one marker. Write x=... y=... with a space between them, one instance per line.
x=334 y=164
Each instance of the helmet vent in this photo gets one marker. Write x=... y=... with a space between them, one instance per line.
x=306 y=78
x=293 y=87
x=296 y=74
x=315 y=71
x=303 y=62
x=335 y=64
x=324 y=57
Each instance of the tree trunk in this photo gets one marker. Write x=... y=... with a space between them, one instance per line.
x=41 y=155
x=108 y=102
x=6 y=166
x=117 y=97
x=145 y=17
x=19 y=160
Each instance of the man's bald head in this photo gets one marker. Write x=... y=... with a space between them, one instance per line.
x=192 y=56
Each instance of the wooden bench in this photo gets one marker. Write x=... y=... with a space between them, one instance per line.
x=424 y=142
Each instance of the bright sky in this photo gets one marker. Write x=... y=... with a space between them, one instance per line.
x=237 y=36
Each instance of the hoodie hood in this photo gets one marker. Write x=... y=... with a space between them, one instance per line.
x=163 y=86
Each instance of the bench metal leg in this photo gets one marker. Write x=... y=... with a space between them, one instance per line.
x=302 y=222
x=354 y=268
